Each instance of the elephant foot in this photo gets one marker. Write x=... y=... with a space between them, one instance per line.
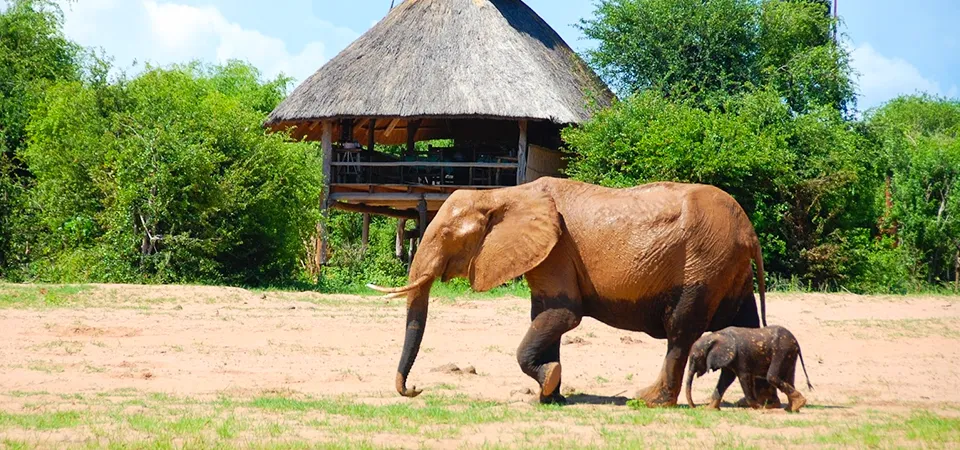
x=796 y=402
x=657 y=396
x=767 y=403
x=550 y=387
x=550 y=376
x=553 y=399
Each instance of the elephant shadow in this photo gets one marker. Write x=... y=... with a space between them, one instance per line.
x=590 y=399
x=618 y=400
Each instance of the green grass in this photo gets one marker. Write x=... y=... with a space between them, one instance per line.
x=40 y=296
x=297 y=421
x=40 y=421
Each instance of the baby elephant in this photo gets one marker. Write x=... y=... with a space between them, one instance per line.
x=748 y=353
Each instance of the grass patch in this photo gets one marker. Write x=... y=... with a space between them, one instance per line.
x=286 y=421
x=46 y=367
x=40 y=296
x=40 y=421
x=404 y=418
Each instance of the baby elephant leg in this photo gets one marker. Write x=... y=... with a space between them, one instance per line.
x=781 y=375
x=749 y=389
x=726 y=379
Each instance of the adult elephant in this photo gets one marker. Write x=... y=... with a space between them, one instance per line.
x=669 y=259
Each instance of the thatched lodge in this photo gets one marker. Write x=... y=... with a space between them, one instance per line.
x=489 y=78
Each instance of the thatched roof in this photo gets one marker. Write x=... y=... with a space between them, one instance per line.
x=451 y=59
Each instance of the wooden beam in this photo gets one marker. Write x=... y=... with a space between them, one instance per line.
x=428 y=164
x=362 y=197
x=378 y=210
x=393 y=124
x=522 y=154
x=326 y=144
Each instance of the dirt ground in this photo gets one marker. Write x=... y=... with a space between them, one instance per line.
x=864 y=355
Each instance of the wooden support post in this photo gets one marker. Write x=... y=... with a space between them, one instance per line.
x=522 y=154
x=421 y=224
x=371 y=143
x=327 y=146
x=365 y=233
x=401 y=226
x=412 y=127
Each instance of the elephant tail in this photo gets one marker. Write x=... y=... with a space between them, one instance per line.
x=761 y=283
x=804 y=366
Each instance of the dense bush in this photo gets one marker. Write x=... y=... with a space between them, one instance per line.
x=33 y=55
x=168 y=177
x=919 y=138
x=754 y=96
x=806 y=182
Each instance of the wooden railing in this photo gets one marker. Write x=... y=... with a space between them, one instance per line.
x=437 y=173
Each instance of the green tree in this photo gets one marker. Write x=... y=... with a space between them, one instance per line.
x=704 y=50
x=919 y=138
x=805 y=181
x=33 y=54
x=169 y=177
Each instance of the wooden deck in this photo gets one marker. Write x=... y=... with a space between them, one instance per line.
x=374 y=182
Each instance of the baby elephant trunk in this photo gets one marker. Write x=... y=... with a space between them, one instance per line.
x=689 y=385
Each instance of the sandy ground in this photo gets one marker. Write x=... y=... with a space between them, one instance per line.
x=872 y=352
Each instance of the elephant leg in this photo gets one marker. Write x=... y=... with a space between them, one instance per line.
x=726 y=379
x=683 y=327
x=550 y=354
x=747 y=383
x=780 y=374
x=748 y=317
x=539 y=352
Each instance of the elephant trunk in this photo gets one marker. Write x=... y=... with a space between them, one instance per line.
x=417 y=305
x=689 y=385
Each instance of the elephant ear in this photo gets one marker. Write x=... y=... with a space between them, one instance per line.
x=522 y=227
x=721 y=353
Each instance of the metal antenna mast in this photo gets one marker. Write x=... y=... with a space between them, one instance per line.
x=836 y=19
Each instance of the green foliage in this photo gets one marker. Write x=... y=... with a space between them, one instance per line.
x=351 y=266
x=803 y=179
x=33 y=54
x=706 y=50
x=169 y=177
x=919 y=137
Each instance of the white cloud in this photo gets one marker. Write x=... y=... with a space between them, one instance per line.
x=882 y=78
x=188 y=32
x=163 y=32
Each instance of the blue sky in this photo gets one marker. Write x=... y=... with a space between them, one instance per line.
x=896 y=47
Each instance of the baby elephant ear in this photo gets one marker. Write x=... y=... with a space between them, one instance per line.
x=721 y=353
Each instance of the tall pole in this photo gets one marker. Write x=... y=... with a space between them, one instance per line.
x=836 y=19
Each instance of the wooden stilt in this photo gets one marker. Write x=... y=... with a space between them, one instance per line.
x=412 y=127
x=371 y=143
x=401 y=226
x=522 y=154
x=327 y=146
x=422 y=222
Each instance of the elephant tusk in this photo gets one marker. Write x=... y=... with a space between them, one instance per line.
x=401 y=290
